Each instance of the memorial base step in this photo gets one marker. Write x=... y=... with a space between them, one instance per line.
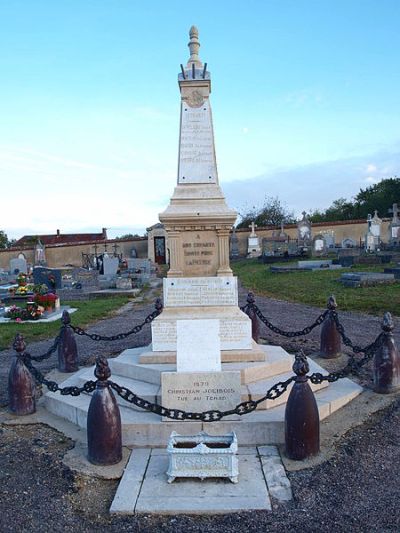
x=141 y=428
x=256 y=353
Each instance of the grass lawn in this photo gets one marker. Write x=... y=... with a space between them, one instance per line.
x=88 y=311
x=314 y=288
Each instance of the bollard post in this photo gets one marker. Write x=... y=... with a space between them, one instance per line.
x=67 y=348
x=21 y=387
x=301 y=415
x=387 y=360
x=331 y=342
x=250 y=312
x=104 y=433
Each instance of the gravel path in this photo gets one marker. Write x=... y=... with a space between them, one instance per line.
x=356 y=490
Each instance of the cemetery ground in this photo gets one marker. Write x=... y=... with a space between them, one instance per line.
x=314 y=287
x=352 y=486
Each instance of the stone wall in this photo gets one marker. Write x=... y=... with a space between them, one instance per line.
x=353 y=229
x=71 y=254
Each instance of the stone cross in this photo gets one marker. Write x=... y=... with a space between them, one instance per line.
x=395 y=212
x=116 y=246
x=253 y=228
x=304 y=213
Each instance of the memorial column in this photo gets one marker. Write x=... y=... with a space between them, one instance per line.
x=223 y=252
x=174 y=244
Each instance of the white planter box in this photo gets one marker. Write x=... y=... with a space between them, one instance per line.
x=202 y=456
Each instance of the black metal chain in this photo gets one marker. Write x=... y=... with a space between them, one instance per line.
x=88 y=387
x=214 y=415
x=49 y=352
x=119 y=336
x=280 y=331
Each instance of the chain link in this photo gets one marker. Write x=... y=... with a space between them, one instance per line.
x=243 y=408
x=119 y=336
x=279 y=331
x=50 y=351
x=214 y=415
x=88 y=386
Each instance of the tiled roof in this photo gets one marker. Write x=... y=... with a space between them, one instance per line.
x=60 y=238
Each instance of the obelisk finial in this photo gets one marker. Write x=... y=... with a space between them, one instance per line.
x=194 y=46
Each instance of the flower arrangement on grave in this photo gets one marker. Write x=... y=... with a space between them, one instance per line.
x=48 y=301
x=21 y=279
x=24 y=290
x=32 y=312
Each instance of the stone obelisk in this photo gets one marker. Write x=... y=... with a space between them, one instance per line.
x=197 y=220
x=199 y=285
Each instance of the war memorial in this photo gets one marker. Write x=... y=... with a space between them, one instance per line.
x=205 y=400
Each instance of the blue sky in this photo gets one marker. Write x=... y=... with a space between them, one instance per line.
x=305 y=98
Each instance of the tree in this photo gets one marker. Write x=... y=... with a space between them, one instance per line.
x=4 y=243
x=127 y=236
x=272 y=213
x=341 y=209
x=379 y=196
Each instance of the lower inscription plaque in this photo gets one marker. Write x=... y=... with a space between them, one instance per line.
x=200 y=391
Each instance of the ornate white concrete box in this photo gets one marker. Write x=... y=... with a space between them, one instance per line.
x=203 y=456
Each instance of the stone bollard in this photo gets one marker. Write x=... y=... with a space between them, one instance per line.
x=301 y=415
x=331 y=342
x=67 y=348
x=250 y=312
x=21 y=386
x=387 y=360
x=104 y=432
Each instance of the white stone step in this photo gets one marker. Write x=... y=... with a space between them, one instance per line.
x=147 y=391
x=147 y=429
x=258 y=389
x=276 y=362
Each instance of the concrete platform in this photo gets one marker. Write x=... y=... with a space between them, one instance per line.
x=144 y=488
x=145 y=429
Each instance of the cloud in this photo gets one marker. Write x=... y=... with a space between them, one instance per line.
x=304 y=97
x=371 y=168
x=311 y=186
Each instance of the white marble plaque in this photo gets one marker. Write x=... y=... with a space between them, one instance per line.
x=200 y=391
x=198 y=346
x=197 y=162
x=180 y=292
x=234 y=335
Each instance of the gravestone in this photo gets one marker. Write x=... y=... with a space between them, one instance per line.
x=349 y=243
x=373 y=235
x=18 y=265
x=87 y=279
x=394 y=227
x=253 y=246
x=319 y=245
x=140 y=269
x=366 y=279
x=234 y=245
x=40 y=254
x=110 y=266
x=329 y=238
x=304 y=230
x=123 y=283
x=47 y=276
